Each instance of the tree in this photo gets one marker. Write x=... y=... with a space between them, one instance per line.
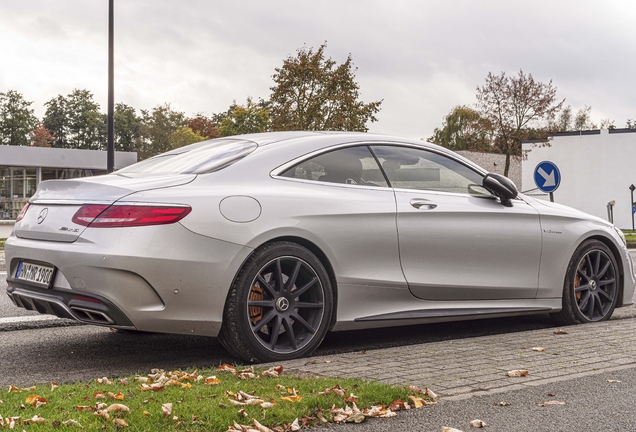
x=127 y=128
x=564 y=123
x=75 y=121
x=16 y=119
x=56 y=121
x=583 y=119
x=204 y=126
x=251 y=118
x=607 y=124
x=517 y=106
x=184 y=136
x=312 y=92
x=464 y=129
x=41 y=136
x=157 y=126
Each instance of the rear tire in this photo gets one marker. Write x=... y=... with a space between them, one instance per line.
x=279 y=307
x=591 y=286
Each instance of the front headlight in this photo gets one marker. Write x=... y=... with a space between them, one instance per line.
x=621 y=235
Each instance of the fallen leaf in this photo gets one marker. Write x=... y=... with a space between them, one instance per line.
x=103 y=380
x=560 y=332
x=550 y=403
x=100 y=405
x=54 y=385
x=118 y=407
x=242 y=412
x=351 y=398
x=477 y=424
x=123 y=381
x=99 y=395
x=551 y=394
x=260 y=427
x=430 y=393
x=118 y=396
x=143 y=379
x=84 y=407
x=120 y=423
x=613 y=381
x=34 y=420
x=273 y=372
x=294 y=426
x=419 y=402
x=450 y=429
x=34 y=399
x=102 y=413
x=539 y=349
x=73 y=423
x=415 y=389
x=268 y=405
x=166 y=409
x=296 y=398
x=517 y=373
x=212 y=380
x=227 y=368
x=398 y=405
x=328 y=361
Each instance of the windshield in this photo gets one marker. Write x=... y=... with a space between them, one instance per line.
x=200 y=158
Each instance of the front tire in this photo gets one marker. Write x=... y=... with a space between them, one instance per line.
x=280 y=305
x=590 y=290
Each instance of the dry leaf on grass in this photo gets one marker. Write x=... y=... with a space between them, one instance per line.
x=517 y=373
x=120 y=423
x=119 y=396
x=118 y=408
x=212 y=380
x=54 y=385
x=35 y=400
x=273 y=372
x=102 y=413
x=227 y=368
x=33 y=420
x=99 y=395
x=103 y=381
x=166 y=409
x=478 y=424
x=73 y=423
x=260 y=427
x=84 y=408
x=550 y=403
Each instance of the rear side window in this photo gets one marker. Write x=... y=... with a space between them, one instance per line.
x=352 y=165
x=200 y=158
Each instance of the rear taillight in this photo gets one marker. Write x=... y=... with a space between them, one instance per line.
x=23 y=212
x=101 y=216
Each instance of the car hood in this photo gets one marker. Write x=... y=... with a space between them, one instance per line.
x=555 y=209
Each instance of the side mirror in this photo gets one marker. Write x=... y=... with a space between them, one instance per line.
x=501 y=187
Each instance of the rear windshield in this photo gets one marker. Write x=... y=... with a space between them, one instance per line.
x=200 y=158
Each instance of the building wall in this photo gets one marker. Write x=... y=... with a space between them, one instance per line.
x=494 y=162
x=595 y=169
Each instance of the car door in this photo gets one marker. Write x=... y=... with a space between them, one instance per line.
x=457 y=241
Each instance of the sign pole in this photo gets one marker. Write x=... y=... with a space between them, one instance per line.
x=631 y=189
x=551 y=196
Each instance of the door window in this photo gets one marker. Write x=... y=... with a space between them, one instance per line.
x=410 y=168
x=351 y=165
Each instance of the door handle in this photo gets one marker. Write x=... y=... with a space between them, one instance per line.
x=422 y=204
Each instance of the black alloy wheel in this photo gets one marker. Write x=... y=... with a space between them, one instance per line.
x=280 y=305
x=595 y=285
x=591 y=287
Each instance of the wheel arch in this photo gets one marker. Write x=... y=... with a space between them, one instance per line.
x=318 y=252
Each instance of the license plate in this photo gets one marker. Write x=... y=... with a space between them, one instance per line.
x=35 y=273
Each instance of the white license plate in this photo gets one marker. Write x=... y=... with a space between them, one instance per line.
x=34 y=273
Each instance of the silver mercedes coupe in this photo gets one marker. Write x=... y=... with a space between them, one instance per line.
x=269 y=241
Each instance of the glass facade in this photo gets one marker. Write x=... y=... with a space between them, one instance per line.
x=18 y=184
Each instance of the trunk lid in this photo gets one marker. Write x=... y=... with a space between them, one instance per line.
x=50 y=214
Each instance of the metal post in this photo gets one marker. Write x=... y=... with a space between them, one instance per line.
x=551 y=196
x=110 y=152
x=631 y=206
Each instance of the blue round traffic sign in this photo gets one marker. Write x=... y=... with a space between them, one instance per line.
x=547 y=176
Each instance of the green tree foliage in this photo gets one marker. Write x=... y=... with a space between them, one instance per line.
x=184 y=136
x=56 y=121
x=16 y=119
x=583 y=119
x=464 y=129
x=518 y=107
x=244 y=119
x=204 y=126
x=312 y=92
x=157 y=127
x=127 y=128
x=75 y=121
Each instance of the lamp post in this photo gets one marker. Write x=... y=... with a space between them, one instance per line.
x=110 y=151
x=631 y=188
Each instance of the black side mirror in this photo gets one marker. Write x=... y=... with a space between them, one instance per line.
x=501 y=187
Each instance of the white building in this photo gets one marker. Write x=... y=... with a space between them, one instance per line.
x=596 y=167
x=23 y=168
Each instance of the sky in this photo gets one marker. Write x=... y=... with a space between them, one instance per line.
x=421 y=58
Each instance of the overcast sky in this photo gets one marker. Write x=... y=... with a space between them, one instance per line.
x=421 y=57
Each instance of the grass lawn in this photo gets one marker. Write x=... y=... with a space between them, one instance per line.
x=206 y=400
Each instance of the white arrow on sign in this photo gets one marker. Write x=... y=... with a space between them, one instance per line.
x=549 y=178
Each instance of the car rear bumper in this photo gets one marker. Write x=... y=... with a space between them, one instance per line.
x=162 y=279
